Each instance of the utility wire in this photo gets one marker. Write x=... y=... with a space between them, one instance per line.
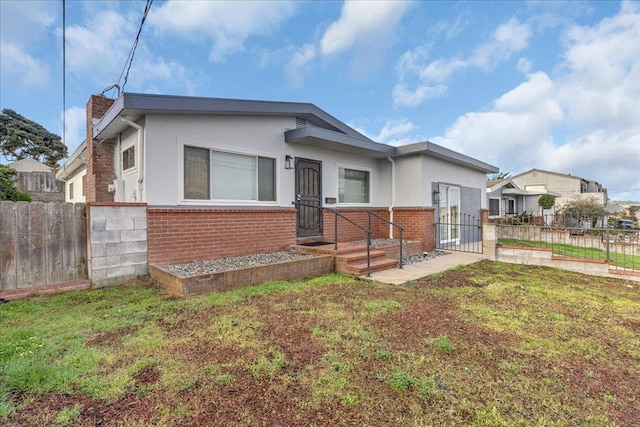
x=64 y=73
x=132 y=52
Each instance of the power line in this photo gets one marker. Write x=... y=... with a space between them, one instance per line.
x=132 y=52
x=64 y=73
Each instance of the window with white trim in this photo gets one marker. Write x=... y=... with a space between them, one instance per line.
x=220 y=175
x=71 y=191
x=353 y=186
x=129 y=158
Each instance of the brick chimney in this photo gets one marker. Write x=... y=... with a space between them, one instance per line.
x=100 y=154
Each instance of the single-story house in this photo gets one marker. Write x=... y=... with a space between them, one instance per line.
x=505 y=198
x=220 y=176
x=74 y=173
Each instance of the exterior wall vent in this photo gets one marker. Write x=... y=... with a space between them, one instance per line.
x=301 y=123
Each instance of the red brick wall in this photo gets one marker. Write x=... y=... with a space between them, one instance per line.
x=484 y=216
x=178 y=235
x=100 y=167
x=418 y=224
x=348 y=232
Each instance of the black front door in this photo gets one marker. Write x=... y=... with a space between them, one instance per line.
x=308 y=192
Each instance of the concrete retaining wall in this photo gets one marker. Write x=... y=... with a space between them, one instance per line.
x=117 y=242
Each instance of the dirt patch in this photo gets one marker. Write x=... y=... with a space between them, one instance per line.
x=110 y=338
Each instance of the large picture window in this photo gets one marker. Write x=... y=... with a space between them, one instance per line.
x=218 y=175
x=353 y=186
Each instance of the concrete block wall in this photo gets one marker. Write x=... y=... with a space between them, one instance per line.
x=117 y=238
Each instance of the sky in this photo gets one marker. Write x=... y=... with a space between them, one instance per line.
x=519 y=85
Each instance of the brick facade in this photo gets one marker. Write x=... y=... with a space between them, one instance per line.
x=179 y=235
x=100 y=154
x=418 y=224
x=348 y=232
x=484 y=216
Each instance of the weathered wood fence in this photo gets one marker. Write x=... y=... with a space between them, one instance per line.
x=42 y=244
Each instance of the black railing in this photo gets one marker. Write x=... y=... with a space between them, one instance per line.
x=369 y=213
x=337 y=214
x=462 y=232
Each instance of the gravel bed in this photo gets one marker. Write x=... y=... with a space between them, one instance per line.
x=380 y=242
x=423 y=257
x=233 y=263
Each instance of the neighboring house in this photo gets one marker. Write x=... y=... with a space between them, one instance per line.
x=567 y=186
x=38 y=181
x=74 y=172
x=505 y=198
x=219 y=176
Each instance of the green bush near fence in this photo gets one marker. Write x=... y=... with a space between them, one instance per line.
x=617 y=259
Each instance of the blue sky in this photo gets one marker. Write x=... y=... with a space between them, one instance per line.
x=548 y=85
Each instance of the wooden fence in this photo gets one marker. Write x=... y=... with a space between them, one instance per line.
x=42 y=244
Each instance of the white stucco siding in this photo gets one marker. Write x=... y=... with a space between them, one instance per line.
x=166 y=136
x=437 y=170
x=411 y=189
x=129 y=138
x=75 y=182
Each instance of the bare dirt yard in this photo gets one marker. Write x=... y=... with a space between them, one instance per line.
x=486 y=344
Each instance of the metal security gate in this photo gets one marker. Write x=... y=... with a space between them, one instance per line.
x=309 y=195
x=461 y=232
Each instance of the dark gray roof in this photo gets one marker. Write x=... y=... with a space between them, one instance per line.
x=327 y=132
x=439 y=152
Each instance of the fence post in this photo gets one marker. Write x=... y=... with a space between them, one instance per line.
x=606 y=232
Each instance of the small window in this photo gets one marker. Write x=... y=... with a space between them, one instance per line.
x=353 y=186
x=84 y=185
x=71 y=191
x=494 y=207
x=129 y=158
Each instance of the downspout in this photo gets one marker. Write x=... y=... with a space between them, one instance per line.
x=393 y=194
x=139 y=157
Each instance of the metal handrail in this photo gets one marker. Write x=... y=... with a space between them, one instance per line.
x=369 y=213
x=337 y=214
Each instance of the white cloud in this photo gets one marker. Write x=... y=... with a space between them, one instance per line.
x=75 y=128
x=394 y=132
x=299 y=63
x=508 y=38
x=362 y=21
x=584 y=121
x=97 y=49
x=226 y=24
x=17 y=65
x=524 y=65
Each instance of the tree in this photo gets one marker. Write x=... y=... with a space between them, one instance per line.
x=8 y=191
x=499 y=175
x=21 y=138
x=546 y=201
x=583 y=208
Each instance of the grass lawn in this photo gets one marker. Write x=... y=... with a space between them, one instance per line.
x=617 y=259
x=487 y=344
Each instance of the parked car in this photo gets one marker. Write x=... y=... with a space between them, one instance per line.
x=625 y=224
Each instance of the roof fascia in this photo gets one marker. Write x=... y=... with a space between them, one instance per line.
x=433 y=150
x=336 y=141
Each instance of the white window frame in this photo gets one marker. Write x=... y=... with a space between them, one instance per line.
x=356 y=168
x=132 y=168
x=182 y=143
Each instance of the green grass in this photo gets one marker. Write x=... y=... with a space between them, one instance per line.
x=617 y=259
x=487 y=344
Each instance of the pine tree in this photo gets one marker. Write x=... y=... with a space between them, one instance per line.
x=21 y=138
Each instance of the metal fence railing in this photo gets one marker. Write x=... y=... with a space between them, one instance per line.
x=575 y=237
x=461 y=232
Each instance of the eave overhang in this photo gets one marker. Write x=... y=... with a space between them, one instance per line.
x=335 y=141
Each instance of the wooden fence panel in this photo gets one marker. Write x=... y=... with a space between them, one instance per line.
x=8 y=244
x=42 y=244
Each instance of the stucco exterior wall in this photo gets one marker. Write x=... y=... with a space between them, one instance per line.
x=77 y=196
x=166 y=136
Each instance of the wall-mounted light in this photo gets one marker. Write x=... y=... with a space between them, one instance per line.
x=436 y=197
x=288 y=162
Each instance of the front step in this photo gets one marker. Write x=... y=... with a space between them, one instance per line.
x=360 y=268
x=355 y=262
x=352 y=258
